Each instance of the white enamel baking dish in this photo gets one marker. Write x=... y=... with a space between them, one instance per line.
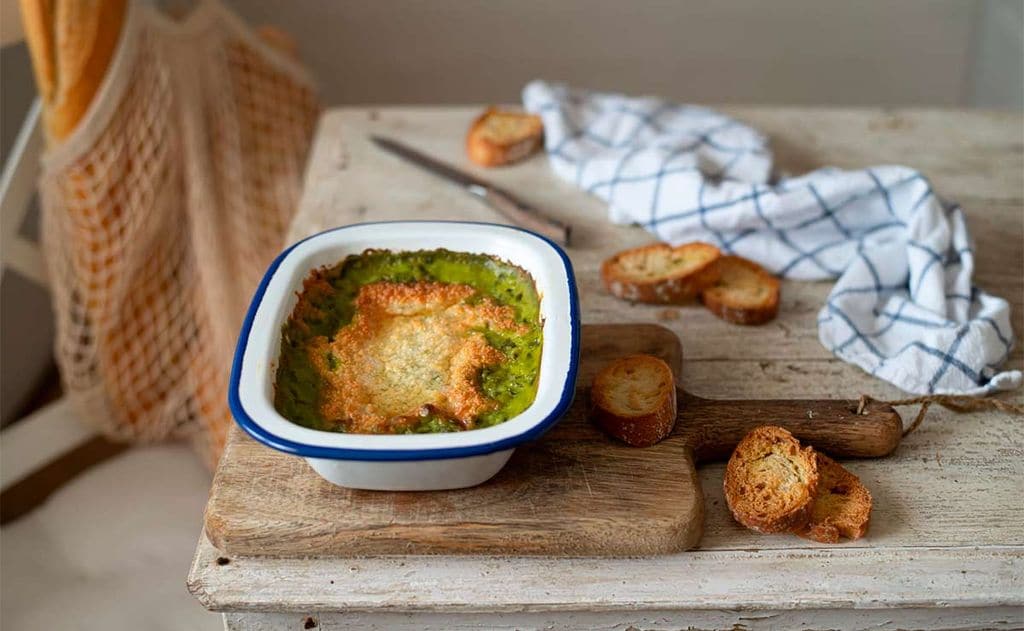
x=408 y=462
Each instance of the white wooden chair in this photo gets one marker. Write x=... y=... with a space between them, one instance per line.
x=110 y=546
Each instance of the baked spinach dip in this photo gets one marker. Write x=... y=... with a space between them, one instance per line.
x=410 y=342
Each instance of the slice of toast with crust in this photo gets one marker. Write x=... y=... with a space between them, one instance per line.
x=634 y=400
x=500 y=137
x=771 y=481
x=744 y=293
x=662 y=274
x=842 y=506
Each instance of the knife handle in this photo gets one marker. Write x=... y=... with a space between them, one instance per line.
x=524 y=215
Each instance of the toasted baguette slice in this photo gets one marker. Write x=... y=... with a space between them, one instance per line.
x=634 y=400
x=745 y=293
x=498 y=137
x=660 y=273
x=770 y=481
x=842 y=506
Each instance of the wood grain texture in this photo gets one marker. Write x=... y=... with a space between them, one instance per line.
x=713 y=427
x=951 y=619
x=575 y=492
x=830 y=577
x=947 y=532
x=572 y=492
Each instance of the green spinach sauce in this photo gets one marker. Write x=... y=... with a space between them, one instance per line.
x=327 y=303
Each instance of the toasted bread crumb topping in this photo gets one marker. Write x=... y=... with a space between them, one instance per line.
x=411 y=349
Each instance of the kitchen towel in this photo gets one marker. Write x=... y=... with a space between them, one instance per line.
x=903 y=308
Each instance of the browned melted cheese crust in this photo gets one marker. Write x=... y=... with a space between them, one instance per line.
x=411 y=349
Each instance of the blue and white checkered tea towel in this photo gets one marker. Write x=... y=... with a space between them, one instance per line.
x=903 y=307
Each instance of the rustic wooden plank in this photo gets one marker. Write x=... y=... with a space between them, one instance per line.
x=823 y=578
x=267 y=503
x=951 y=618
x=963 y=152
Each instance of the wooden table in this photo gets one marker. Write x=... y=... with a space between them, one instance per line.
x=946 y=546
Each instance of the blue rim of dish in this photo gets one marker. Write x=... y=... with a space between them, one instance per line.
x=305 y=450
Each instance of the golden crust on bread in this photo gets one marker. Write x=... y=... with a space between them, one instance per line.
x=37 y=17
x=500 y=137
x=662 y=274
x=745 y=293
x=842 y=506
x=771 y=481
x=634 y=400
x=72 y=44
x=411 y=349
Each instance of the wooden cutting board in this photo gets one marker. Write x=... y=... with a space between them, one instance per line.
x=574 y=492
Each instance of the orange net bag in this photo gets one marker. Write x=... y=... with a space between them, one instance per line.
x=161 y=211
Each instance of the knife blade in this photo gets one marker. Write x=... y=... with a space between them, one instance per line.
x=515 y=209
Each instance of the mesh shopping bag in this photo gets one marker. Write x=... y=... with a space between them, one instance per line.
x=161 y=211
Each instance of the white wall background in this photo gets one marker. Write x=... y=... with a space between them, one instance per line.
x=826 y=52
x=998 y=53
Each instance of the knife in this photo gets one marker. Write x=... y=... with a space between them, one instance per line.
x=518 y=211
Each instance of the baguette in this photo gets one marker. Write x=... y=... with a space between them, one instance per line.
x=745 y=293
x=499 y=137
x=770 y=481
x=662 y=274
x=634 y=400
x=71 y=44
x=842 y=507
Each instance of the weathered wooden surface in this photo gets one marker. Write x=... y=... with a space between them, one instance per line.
x=948 y=528
x=713 y=427
x=664 y=620
x=610 y=499
x=825 y=577
x=572 y=492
